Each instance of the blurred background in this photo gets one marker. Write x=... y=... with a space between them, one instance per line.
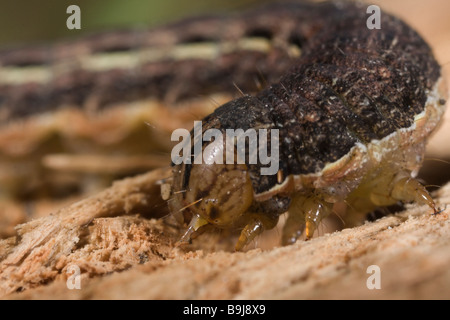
x=25 y=21
x=28 y=22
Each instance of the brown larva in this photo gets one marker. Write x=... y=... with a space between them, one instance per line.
x=353 y=113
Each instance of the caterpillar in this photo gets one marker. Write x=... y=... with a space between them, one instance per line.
x=353 y=108
x=353 y=113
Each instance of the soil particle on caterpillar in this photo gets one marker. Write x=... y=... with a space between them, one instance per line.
x=353 y=113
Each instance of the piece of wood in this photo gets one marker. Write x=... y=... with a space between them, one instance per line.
x=38 y=252
x=410 y=248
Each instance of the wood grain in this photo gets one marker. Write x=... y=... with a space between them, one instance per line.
x=411 y=249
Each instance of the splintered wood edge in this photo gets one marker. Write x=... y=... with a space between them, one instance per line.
x=41 y=242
